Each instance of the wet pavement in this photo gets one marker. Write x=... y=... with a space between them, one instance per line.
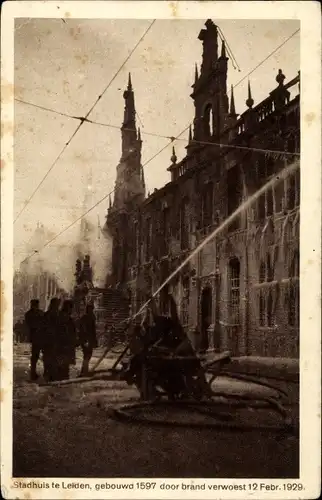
x=65 y=431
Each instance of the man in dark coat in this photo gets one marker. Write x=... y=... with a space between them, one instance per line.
x=51 y=333
x=34 y=322
x=87 y=337
x=66 y=341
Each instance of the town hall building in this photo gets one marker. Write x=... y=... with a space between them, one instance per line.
x=241 y=291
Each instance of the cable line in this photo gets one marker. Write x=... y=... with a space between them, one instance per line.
x=177 y=138
x=172 y=139
x=82 y=119
x=267 y=57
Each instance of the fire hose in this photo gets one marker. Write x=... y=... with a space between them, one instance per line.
x=131 y=414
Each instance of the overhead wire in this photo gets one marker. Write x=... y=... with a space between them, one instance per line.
x=230 y=52
x=172 y=139
x=82 y=120
x=177 y=138
x=267 y=57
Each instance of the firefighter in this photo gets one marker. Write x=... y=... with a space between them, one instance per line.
x=87 y=337
x=34 y=322
x=66 y=341
x=51 y=333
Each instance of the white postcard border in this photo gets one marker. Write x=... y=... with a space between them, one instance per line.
x=310 y=244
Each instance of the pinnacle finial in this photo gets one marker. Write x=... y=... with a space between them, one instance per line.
x=142 y=177
x=250 y=100
x=223 y=49
x=110 y=201
x=196 y=73
x=190 y=134
x=174 y=156
x=232 y=110
x=139 y=134
x=129 y=85
x=280 y=78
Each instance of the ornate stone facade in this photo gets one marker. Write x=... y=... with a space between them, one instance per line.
x=241 y=291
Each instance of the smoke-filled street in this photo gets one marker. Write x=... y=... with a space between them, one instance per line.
x=66 y=432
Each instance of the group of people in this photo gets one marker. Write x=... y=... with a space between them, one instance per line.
x=56 y=335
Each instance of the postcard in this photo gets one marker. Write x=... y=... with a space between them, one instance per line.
x=160 y=292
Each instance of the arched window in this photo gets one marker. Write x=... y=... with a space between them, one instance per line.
x=234 y=290
x=208 y=120
x=266 y=270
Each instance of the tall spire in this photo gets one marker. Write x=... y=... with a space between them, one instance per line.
x=232 y=111
x=249 y=100
x=196 y=73
x=129 y=85
x=128 y=185
x=142 y=177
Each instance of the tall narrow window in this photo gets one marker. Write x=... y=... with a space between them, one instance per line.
x=185 y=302
x=261 y=207
x=148 y=235
x=269 y=202
x=165 y=231
x=184 y=224
x=298 y=187
x=270 y=320
x=292 y=305
x=164 y=300
x=279 y=196
x=207 y=205
x=262 y=308
x=234 y=194
x=266 y=299
x=291 y=192
x=147 y=289
x=208 y=121
x=234 y=291
x=262 y=272
x=269 y=268
x=293 y=297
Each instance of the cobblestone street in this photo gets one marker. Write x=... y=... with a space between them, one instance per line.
x=54 y=425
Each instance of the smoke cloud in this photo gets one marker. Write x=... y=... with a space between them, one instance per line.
x=59 y=258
